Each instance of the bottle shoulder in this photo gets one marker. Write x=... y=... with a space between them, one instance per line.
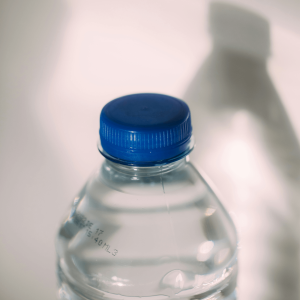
x=181 y=190
x=166 y=225
x=113 y=189
x=160 y=180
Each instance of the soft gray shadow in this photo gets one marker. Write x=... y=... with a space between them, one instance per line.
x=232 y=96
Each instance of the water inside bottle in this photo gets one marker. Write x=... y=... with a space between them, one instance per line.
x=109 y=249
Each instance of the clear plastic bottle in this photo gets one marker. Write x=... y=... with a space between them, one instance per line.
x=146 y=224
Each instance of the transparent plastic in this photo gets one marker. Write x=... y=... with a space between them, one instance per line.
x=147 y=232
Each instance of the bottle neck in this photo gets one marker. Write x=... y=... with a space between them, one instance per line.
x=146 y=171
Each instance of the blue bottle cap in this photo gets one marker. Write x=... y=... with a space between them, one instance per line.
x=145 y=130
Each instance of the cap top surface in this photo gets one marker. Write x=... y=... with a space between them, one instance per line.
x=141 y=111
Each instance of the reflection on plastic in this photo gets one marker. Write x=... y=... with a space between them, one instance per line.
x=155 y=233
x=245 y=143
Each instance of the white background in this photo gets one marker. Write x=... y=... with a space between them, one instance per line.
x=61 y=61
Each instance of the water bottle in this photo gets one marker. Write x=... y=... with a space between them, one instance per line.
x=146 y=225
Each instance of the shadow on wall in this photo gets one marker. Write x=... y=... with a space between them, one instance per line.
x=247 y=146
